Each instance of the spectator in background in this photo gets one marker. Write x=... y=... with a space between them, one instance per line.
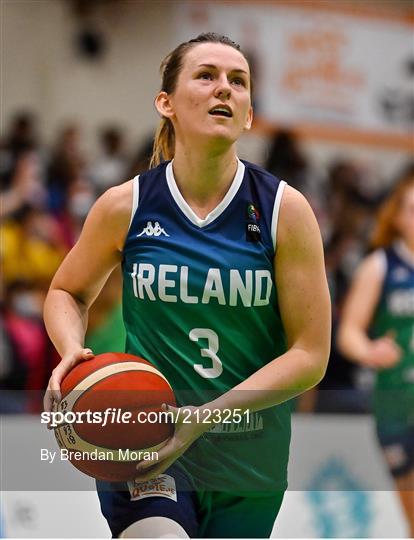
x=350 y=217
x=30 y=251
x=25 y=185
x=141 y=161
x=31 y=353
x=71 y=194
x=32 y=247
x=111 y=166
x=79 y=198
x=67 y=160
x=9 y=402
x=21 y=138
x=287 y=161
x=376 y=331
x=350 y=214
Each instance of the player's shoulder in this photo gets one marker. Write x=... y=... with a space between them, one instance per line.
x=118 y=202
x=374 y=265
x=375 y=259
x=111 y=213
x=117 y=199
x=296 y=218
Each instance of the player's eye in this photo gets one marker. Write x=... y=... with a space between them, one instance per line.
x=238 y=81
x=206 y=76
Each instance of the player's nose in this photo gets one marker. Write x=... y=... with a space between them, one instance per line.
x=223 y=88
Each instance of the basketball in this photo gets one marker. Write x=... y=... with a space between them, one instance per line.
x=111 y=415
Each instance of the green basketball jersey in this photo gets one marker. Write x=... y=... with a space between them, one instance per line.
x=394 y=389
x=199 y=301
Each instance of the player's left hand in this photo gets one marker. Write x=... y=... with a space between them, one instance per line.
x=187 y=430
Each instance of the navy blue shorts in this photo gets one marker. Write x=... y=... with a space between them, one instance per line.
x=398 y=449
x=171 y=495
x=202 y=514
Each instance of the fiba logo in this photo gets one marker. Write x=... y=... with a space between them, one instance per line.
x=252 y=227
x=252 y=212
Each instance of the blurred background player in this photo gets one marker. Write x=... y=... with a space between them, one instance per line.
x=377 y=331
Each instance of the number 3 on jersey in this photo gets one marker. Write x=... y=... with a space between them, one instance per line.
x=210 y=352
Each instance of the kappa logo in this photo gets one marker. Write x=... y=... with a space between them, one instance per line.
x=153 y=230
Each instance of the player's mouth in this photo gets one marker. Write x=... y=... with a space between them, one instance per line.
x=221 y=110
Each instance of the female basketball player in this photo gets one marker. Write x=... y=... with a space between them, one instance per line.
x=205 y=241
x=377 y=331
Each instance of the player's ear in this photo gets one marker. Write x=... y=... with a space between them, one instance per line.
x=249 y=120
x=163 y=105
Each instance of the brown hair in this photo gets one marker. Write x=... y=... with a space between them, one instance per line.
x=385 y=231
x=164 y=140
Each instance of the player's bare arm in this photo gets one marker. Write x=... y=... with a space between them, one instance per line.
x=359 y=309
x=305 y=309
x=81 y=277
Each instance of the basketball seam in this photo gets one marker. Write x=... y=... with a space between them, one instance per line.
x=72 y=400
x=97 y=382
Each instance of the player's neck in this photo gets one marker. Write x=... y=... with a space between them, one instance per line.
x=203 y=178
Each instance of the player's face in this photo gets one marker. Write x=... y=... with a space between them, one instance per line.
x=212 y=96
x=405 y=217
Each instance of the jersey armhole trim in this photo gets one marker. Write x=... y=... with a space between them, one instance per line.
x=135 y=198
x=275 y=214
x=381 y=263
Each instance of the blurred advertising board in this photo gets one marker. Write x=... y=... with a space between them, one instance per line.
x=318 y=66
x=339 y=486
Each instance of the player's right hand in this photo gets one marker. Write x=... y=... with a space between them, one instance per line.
x=383 y=353
x=67 y=363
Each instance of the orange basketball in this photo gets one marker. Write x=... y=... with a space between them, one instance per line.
x=110 y=415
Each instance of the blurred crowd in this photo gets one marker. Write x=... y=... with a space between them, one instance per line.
x=46 y=194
